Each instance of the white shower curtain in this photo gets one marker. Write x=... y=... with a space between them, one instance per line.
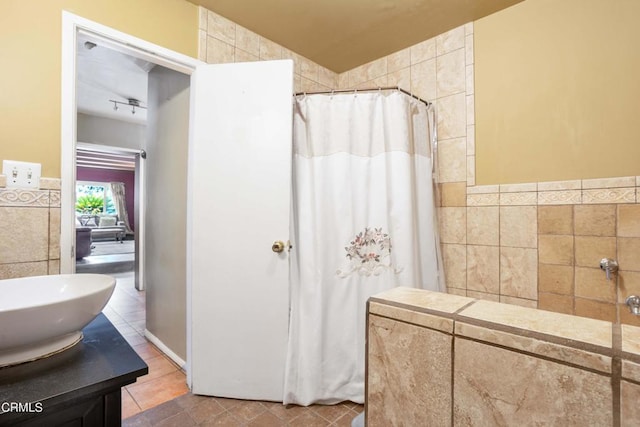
x=363 y=222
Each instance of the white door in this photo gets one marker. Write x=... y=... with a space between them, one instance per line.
x=239 y=202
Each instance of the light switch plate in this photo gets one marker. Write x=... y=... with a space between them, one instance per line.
x=21 y=174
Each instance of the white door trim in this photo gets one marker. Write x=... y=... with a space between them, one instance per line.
x=117 y=40
x=140 y=195
x=130 y=45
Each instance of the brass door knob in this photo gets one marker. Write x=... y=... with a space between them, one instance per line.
x=278 y=246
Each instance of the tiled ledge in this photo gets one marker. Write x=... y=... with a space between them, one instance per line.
x=572 y=340
x=495 y=363
x=585 y=191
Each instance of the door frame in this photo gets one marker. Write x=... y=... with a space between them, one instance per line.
x=139 y=204
x=121 y=42
x=125 y=43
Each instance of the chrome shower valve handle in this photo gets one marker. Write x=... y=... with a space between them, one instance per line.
x=633 y=302
x=609 y=266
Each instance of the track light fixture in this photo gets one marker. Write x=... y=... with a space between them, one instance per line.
x=131 y=102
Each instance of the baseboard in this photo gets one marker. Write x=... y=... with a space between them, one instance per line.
x=166 y=350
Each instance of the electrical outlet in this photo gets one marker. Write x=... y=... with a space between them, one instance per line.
x=21 y=174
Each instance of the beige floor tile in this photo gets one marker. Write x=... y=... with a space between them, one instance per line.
x=247 y=410
x=286 y=412
x=159 y=390
x=135 y=339
x=146 y=350
x=129 y=406
x=228 y=403
x=224 y=420
x=190 y=400
x=205 y=410
x=344 y=420
x=309 y=419
x=266 y=419
x=178 y=420
x=330 y=412
x=158 y=367
x=161 y=412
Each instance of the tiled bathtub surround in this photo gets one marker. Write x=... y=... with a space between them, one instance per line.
x=540 y=244
x=30 y=230
x=563 y=370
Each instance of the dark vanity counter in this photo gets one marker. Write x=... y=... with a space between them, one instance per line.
x=80 y=386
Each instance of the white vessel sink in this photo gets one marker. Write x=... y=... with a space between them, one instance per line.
x=44 y=315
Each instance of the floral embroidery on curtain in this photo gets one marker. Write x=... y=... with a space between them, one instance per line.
x=369 y=253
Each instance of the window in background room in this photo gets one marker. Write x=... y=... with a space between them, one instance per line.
x=93 y=198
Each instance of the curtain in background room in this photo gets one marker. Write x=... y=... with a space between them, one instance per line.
x=117 y=192
x=362 y=223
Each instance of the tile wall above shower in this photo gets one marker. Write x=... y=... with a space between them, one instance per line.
x=496 y=239
x=223 y=41
x=494 y=236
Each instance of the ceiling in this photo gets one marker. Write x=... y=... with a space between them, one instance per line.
x=103 y=75
x=337 y=34
x=342 y=34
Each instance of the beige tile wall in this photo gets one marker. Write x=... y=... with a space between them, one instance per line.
x=223 y=41
x=496 y=244
x=499 y=242
x=547 y=239
x=439 y=70
x=531 y=244
x=30 y=230
x=574 y=283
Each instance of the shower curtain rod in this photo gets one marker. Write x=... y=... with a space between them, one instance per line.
x=366 y=90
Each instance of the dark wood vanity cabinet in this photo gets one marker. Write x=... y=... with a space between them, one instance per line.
x=79 y=387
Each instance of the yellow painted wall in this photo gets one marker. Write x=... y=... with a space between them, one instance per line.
x=557 y=86
x=30 y=54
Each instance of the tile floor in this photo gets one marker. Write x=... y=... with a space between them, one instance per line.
x=165 y=380
x=191 y=410
x=161 y=398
